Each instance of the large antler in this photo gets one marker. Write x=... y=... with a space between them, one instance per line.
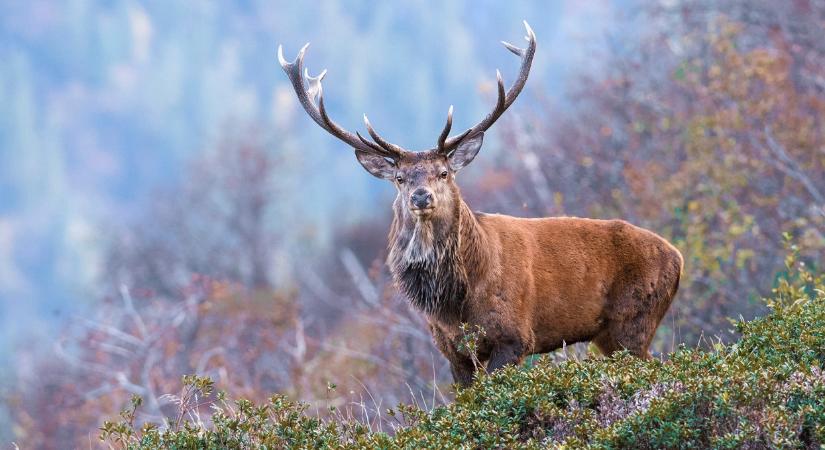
x=311 y=90
x=447 y=145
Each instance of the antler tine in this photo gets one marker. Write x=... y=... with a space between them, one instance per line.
x=377 y=148
x=530 y=38
x=505 y=99
x=502 y=97
x=389 y=147
x=315 y=89
x=446 y=132
x=309 y=90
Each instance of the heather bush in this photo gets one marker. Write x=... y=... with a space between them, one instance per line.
x=767 y=390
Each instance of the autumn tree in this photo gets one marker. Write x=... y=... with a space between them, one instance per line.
x=710 y=132
x=192 y=290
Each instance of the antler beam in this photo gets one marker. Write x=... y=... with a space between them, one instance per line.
x=504 y=100
x=310 y=94
x=309 y=89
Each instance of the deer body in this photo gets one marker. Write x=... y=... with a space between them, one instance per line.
x=531 y=284
x=535 y=284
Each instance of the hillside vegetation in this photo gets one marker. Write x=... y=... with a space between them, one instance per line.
x=174 y=212
x=766 y=390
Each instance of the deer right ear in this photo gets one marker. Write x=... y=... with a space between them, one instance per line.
x=466 y=151
x=377 y=165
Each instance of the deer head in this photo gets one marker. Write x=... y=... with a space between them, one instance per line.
x=425 y=180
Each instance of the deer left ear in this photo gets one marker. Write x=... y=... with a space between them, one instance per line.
x=466 y=151
x=377 y=165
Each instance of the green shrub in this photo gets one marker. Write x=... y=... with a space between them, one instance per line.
x=765 y=391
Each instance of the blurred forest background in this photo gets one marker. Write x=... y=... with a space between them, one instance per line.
x=166 y=208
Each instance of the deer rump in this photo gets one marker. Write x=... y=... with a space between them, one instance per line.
x=530 y=284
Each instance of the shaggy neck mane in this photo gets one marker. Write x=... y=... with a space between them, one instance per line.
x=431 y=260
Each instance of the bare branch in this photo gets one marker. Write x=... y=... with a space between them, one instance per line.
x=130 y=310
x=359 y=276
x=791 y=167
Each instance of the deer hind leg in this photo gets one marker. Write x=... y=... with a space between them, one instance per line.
x=634 y=330
x=628 y=335
x=644 y=310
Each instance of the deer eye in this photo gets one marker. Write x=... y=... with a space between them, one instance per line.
x=444 y=174
x=399 y=179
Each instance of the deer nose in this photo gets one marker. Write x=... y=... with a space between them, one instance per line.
x=421 y=198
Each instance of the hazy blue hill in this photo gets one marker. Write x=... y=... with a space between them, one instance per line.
x=101 y=102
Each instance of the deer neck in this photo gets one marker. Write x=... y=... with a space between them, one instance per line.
x=432 y=261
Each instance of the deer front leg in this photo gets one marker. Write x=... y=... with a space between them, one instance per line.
x=461 y=365
x=505 y=351
x=462 y=371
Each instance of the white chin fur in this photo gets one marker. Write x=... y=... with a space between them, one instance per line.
x=422 y=213
x=420 y=247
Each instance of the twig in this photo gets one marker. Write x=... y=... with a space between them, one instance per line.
x=359 y=276
x=791 y=167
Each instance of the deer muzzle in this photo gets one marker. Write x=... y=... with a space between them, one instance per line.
x=421 y=201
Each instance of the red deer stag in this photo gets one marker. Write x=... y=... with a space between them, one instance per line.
x=531 y=284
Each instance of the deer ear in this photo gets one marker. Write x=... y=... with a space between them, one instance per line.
x=466 y=151
x=378 y=166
